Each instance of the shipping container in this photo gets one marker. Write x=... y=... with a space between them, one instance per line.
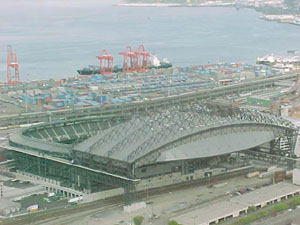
x=279 y=176
x=253 y=174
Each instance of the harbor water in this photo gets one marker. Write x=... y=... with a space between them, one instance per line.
x=54 y=38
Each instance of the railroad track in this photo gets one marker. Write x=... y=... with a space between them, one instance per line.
x=58 y=212
x=75 y=218
x=106 y=204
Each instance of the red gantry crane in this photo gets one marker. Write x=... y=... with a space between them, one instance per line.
x=13 y=77
x=142 y=59
x=130 y=60
x=106 y=63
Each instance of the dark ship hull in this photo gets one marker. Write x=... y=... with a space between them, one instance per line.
x=117 y=69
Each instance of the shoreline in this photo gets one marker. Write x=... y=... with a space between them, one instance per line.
x=292 y=19
x=282 y=18
x=147 y=4
x=219 y=4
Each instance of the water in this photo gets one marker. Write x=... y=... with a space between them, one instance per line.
x=54 y=38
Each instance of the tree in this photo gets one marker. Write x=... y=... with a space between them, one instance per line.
x=173 y=222
x=295 y=202
x=251 y=209
x=138 y=220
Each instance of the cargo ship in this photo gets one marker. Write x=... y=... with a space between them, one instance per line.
x=92 y=69
x=155 y=63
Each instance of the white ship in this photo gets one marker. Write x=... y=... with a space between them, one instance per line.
x=266 y=60
x=272 y=60
x=156 y=63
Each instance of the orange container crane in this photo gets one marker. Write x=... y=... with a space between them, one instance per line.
x=130 y=60
x=106 y=63
x=142 y=59
x=12 y=64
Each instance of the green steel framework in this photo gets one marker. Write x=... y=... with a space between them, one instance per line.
x=76 y=170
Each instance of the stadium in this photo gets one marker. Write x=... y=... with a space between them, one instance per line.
x=151 y=148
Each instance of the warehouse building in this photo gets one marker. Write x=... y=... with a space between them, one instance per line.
x=268 y=195
x=221 y=211
x=213 y=214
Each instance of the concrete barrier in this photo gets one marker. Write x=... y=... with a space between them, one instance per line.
x=103 y=195
x=134 y=207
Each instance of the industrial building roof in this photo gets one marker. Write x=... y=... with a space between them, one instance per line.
x=266 y=194
x=210 y=213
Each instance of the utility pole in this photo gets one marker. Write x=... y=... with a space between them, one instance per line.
x=1 y=188
x=26 y=103
x=169 y=84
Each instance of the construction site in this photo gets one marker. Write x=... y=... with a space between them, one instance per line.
x=154 y=130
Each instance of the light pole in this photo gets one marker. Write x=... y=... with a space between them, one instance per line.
x=1 y=188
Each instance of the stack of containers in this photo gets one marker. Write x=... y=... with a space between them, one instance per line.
x=58 y=103
x=46 y=98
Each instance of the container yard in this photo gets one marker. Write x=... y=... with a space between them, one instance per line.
x=97 y=89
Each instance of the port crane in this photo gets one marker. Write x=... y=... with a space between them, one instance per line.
x=13 y=77
x=129 y=61
x=135 y=61
x=106 y=63
x=142 y=59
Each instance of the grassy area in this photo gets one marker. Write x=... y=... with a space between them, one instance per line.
x=257 y=214
x=138 y=220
